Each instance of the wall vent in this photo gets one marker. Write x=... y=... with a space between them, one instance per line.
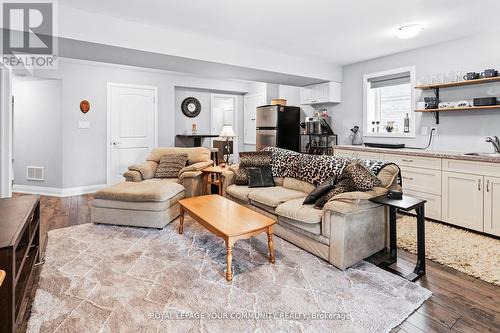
x=35 y=173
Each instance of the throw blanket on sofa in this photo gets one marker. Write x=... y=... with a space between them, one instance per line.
x=314 y=169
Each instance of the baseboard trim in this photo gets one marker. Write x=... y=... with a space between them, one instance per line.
x=57 y=192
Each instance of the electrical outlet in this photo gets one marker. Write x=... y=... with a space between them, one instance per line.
x=436 y=131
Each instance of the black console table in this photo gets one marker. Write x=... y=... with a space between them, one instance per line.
x=191 y=140
x=406 y=204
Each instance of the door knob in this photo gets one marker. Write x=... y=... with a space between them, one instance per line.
x=115 y=143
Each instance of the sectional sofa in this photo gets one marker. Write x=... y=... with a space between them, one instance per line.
x=348 y=229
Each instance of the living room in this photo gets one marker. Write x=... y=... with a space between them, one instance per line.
x=258 y=187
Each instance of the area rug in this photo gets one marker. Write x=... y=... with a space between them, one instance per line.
x=100 y=278
x=465 y=251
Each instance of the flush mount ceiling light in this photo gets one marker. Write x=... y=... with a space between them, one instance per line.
x=409 y=30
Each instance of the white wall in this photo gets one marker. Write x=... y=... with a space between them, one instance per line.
x=84 y=150
x=37 y=139
x=183 y=124
x=203 y=121
x=458 y=131
x=109 y=30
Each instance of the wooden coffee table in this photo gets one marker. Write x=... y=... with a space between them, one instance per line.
x=229 y=220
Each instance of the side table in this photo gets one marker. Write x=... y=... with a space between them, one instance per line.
x=213 y=176
x=406 y=204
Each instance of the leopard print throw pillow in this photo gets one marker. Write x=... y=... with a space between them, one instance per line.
x=354 y=177
x=170 y=165
x=255 y=159
x=362 y=178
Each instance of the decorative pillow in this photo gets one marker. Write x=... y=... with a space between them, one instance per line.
x=354 y=177
x=170 y=165
x=260 y=177
x=319 y=191
x=342 y=186
x=362 y=178
x=251 y=159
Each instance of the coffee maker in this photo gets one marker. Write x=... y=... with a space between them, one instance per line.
x=312 y=125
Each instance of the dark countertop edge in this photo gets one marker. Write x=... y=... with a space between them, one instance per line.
x=422 y=153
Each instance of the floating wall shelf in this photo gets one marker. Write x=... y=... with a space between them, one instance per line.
x=460 y=109
x=437 y=86
x=459 y=83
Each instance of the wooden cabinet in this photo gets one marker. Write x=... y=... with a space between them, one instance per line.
x=463 y=199
x=329 y=92
x=492 y=206
x=19 y=251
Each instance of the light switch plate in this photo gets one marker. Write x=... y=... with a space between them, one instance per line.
x=83 y=124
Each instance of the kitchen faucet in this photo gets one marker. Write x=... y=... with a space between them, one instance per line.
x=495 y=142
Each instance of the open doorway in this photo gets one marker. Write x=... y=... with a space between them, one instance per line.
x=224 y=111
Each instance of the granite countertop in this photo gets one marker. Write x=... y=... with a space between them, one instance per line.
x=426 y=153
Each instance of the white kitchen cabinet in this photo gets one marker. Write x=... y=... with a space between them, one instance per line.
x=421 y=180
x=362 y=155
x=432 y=206
x=462 y=200
x=492 y=206
x=329 y=92
x=307 y=95
x=413 y=161
x=344 y=153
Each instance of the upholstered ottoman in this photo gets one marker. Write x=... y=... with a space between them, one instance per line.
x=152 y=204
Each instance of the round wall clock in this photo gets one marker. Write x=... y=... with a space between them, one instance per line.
x=84 y=106
x=191 y=107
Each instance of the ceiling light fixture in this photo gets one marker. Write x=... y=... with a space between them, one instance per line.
x=409 y=30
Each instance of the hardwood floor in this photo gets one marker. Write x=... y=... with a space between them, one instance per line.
x=460 y=303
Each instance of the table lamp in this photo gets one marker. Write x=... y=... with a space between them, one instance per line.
x=227 y=133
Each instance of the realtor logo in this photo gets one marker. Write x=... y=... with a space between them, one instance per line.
x=28 y=34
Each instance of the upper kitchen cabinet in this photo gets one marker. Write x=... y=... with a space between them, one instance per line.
x=328 y=92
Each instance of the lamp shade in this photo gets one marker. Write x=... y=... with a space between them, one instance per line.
x=227 y=132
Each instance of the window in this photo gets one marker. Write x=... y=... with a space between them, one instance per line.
x=388 y=103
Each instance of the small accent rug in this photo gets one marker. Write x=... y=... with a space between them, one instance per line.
x=99 y=278
x=465 y=251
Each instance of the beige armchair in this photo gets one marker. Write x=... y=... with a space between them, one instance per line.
x=190 y=176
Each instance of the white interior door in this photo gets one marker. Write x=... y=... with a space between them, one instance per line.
x=132 y=127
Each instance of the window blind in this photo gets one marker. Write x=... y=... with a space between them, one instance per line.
x=389 y=80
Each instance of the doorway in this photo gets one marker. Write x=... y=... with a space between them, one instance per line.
x=132 y=127
x=224 y=111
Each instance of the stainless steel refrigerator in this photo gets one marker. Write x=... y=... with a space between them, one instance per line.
x=278 y=126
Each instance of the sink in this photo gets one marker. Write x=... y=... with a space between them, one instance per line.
x=484 y=154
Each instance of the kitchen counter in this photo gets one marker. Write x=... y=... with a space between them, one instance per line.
x=423 y=153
